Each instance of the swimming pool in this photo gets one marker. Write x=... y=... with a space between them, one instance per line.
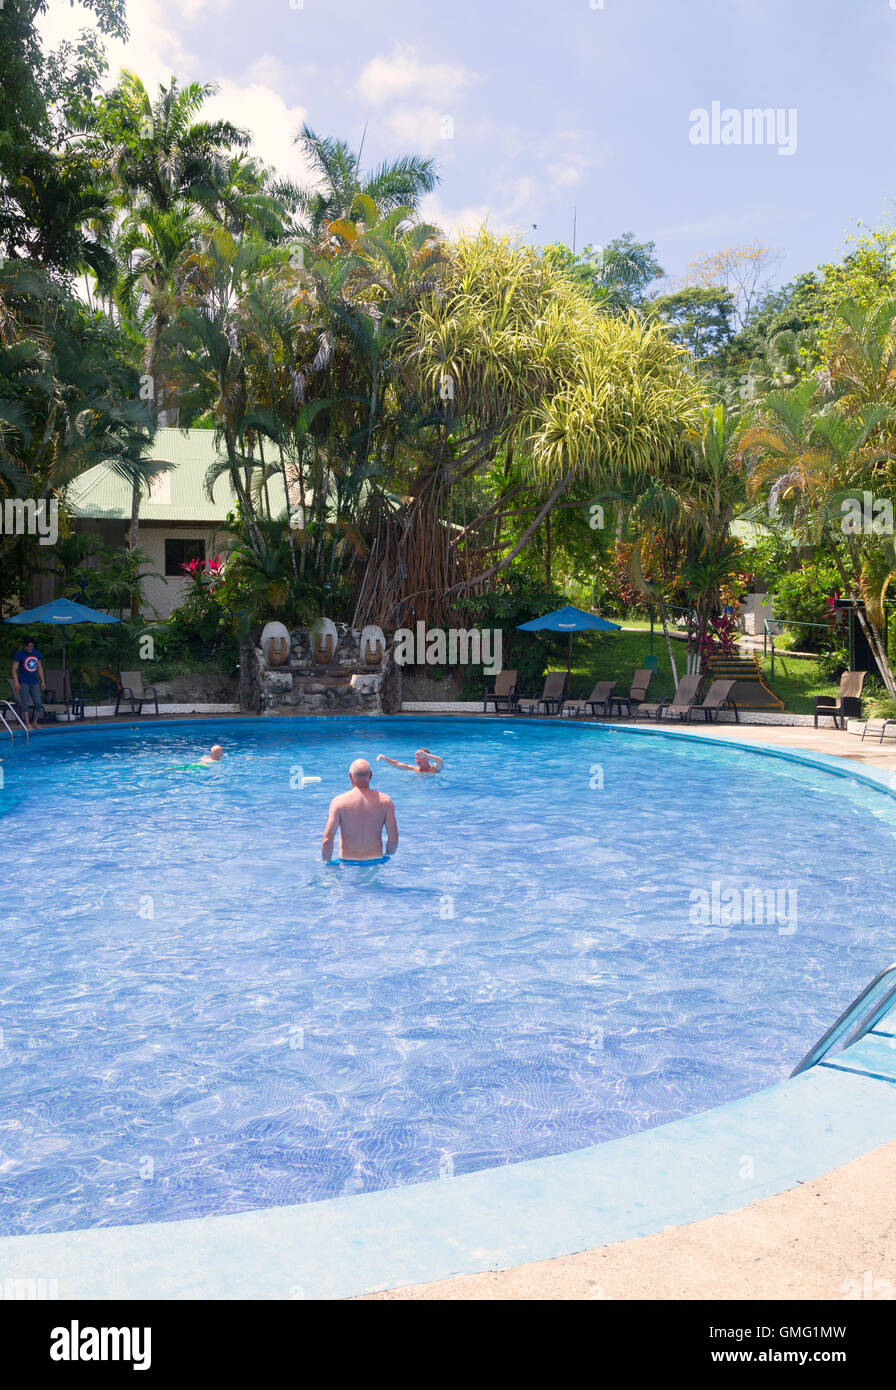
x=198 y=1017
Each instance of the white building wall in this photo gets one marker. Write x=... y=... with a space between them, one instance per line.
x=166 y=594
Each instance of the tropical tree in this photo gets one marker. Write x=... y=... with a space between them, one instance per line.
x=170 y=169
x=615 y=276
x=69 y=397
x=398 y=183
x=158 y=153
x=809 y=460
x=526 y=368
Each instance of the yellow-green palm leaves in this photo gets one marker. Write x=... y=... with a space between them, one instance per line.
x=512 y=344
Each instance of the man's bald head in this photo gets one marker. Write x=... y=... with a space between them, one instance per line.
x=360 y=773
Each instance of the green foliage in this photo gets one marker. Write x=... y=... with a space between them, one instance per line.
x=765 y=558
x=803 y=596
x=698 y=319
x=616 y=276
x=516 y=598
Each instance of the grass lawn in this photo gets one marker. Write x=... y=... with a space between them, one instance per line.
x=617 y=655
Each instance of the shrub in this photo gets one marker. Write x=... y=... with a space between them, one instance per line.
x=806 y=596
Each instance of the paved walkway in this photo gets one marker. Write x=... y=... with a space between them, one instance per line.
x=801 y=736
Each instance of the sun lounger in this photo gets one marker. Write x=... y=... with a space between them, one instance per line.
x=599 y=699
x=58 y=698
x=636 y=695
x=131 y=688
x=504 y=694
x=716 y=697
x=684 y=697
x=550 y=698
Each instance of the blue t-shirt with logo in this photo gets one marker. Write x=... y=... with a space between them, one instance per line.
x=27 y=662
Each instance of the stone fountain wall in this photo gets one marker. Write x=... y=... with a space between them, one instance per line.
x=348 y=685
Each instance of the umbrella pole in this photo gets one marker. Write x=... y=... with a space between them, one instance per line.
x=569 y=669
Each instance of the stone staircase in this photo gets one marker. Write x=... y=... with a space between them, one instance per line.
x=750 y=690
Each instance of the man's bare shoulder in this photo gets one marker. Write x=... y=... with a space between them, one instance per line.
x=385 y=800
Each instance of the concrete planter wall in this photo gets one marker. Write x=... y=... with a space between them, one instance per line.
x=347 y=684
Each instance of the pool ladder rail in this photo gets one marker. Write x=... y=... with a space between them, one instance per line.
x=878 y=998
x=7 y=707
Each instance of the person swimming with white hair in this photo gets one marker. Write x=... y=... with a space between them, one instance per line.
x=424 y=762
x=360 y=816
x=214 y=755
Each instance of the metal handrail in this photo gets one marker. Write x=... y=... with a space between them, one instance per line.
x=768 y=636
x=849 y=1016
x=15 y=713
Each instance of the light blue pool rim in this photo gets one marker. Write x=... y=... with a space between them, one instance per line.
x=713 y=1162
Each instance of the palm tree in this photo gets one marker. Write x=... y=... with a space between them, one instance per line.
x=168 y=168
x=213 y=362
x=807 y=459
x=394 y=184
x=157 y=152
x=69 y=398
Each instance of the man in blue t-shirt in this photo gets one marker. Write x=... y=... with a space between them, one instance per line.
x=28 y=681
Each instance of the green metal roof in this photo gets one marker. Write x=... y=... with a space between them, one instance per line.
x=176 y=496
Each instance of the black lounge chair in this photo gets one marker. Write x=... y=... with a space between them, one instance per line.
x=681 y=702
x=58 y=697
x=716 y=697
x=846 y=704
x=636 y=695
x=598 y=699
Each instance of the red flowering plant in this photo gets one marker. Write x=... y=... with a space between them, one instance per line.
x=834 y=617
x=720 y=637
x=204 y=576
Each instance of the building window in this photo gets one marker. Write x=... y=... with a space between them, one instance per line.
x=179 y=553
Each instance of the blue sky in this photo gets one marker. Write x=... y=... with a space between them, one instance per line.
x=556 y=105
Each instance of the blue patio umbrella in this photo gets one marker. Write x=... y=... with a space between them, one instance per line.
x=569 y=620
x=61 y=612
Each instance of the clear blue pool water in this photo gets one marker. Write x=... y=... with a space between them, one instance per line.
x=197 y=1017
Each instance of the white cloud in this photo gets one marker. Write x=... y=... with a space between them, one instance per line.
x=404 y=74
x=155 y=51
x=424 y=130
x=261 y=110
x=565 y=176
x=511 y=216
x=454 y=221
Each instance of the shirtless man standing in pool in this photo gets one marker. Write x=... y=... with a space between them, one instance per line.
x=360 y=816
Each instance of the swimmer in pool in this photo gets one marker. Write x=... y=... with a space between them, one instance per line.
x=421 y=762
x=360 y=816
x=214 y=755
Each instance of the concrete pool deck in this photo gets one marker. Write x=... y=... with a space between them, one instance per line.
x=831 y=1238
x=731 y=1182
